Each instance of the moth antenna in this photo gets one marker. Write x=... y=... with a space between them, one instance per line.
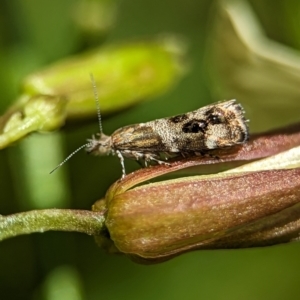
x=74 y=152
x=99 y=119
x=97 y=103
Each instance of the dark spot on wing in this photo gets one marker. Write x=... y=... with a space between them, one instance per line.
x=209 y=112
x=179 y=118
x=215 y=119
x=243 y=136
x=194 y=126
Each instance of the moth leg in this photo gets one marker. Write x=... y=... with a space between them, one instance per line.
x=138 y=156
x=119 y=154
x=206 y=154
x=153 y=157
x=141 y=156
x=146 y=157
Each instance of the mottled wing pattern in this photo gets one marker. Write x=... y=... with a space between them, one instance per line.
x=214 y=126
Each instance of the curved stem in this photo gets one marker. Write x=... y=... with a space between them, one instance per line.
x=91 y=223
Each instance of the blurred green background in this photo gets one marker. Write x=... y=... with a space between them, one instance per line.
x=59 y=265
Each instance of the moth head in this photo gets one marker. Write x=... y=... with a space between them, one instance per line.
x=100 y=145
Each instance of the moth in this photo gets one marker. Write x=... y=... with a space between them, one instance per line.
x=215 y=126
x=211 y=127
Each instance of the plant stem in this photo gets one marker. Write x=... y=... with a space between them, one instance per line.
x=91 y=223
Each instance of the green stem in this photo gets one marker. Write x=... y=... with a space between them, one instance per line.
x=91 y=223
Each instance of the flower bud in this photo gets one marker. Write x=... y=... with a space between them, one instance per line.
x=157 y=221
x=124 y=73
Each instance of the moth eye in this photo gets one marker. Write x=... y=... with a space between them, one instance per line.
x=216 y=119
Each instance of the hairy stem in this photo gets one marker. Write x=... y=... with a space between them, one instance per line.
x=83 y=221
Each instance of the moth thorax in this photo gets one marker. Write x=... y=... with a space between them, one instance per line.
x=100 y=145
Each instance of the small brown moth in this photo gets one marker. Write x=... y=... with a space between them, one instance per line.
x=211 y=127
x=208 y=128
